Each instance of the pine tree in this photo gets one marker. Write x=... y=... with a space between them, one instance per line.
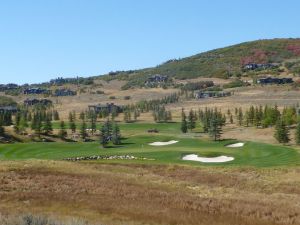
x=240 y=117
x=2 y=130
x=23 y=124
x=104 y=139
x=56 y=115
x=62 y=132
x=297 y=134
x=47 y=126
x=116 y=135
x=215 y=129
x=281 y=132
x=231 y=119
x=184 y=127
x=93 y=123
x=191 y=120
x=83 y=133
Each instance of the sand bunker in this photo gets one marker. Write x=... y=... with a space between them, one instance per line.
x=219 y=159
x=236 y=145
x=163 y=143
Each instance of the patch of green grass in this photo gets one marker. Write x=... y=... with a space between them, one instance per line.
x=252 y=154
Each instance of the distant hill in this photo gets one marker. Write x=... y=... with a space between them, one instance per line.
x=222 y=63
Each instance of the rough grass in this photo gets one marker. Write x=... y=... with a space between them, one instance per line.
x=151 y=194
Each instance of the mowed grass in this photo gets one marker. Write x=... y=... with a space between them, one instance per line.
x=137 y=142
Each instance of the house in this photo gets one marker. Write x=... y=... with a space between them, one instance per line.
x=32 y=102
x=109 y=107
x=157 y=78
x=5 y=87
x=36 y=91
x=211 y=94
x=64 y=92
x=254 y=66
x=11 y=109
x=60 y=81
x=271 y=80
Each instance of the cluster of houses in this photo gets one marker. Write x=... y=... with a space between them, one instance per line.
x=109 y=107
x=5 y=87
x=211 y=94
x=57 y=92
x=32 y=102
x=64 y=92
x=36 y=91
x=156 y=79
x=254 y=66
x=272 y=80
x=60 y=81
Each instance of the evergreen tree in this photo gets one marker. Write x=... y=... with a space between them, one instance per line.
x=215 y=129
x=56 y=115
x=184 y=127
x=297 y=134
x=83 y=133
x=82 y=116
x=2 y=131
x=104 y=139
x=191 y=123
x=240 y=117
x=116 y=135
x=23 y=124
x=47 y=126
x=231 y=119
x=281 y=132
x=62 y=132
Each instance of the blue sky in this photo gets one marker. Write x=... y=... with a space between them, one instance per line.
x=40 y=40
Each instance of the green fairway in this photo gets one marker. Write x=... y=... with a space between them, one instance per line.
x=252 y=154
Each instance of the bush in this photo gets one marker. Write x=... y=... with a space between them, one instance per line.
x=100 y=92
x=234 y=84
x=127 y=97
x=112 y=97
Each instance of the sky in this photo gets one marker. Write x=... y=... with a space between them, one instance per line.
x=41 y=40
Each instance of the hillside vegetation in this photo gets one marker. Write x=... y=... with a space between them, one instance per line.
x=221 y=63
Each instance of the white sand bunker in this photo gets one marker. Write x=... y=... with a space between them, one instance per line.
x=163 y=143
x=219 y=159
x=236 y=145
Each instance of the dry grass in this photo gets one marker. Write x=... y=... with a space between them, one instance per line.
x=136 y=194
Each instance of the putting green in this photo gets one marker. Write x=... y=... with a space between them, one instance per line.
x=252 y=154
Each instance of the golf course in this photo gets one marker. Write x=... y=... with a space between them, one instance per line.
x=137 y=143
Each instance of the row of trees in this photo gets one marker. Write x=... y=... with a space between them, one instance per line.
x=264 y=117
x=212 y=122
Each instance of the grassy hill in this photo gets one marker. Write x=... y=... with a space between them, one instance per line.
x=222 y=63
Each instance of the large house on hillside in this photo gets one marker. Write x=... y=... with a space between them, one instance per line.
x=254 y=66
x=32 y=102
x=109 y=107
x=271 y=80
x=64 y=92
x=36 y=91
x=211 y=94
x=5 y=87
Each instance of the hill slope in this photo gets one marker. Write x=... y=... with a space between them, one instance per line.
x=222 y=63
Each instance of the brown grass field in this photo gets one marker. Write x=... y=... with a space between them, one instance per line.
x=145 y=194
